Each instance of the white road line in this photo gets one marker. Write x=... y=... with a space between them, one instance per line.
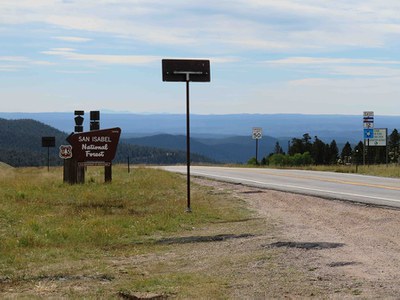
x=293 y=186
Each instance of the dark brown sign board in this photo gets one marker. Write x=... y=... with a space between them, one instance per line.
x=95 y=146
x=195 y=70
x=94 y=163
x=48 y=141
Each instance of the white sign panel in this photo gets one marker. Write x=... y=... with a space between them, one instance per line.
x=368 y=113
x=257 y=133
x=379 y=138
x=368 y=119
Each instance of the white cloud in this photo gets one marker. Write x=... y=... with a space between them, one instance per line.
x=326 y=66
x=318 y=38
x=71 y=54
x=14 y=58
x=327 y=96
x=327 y=60
x=17 y=63
x=72 y=39
x=288 y=25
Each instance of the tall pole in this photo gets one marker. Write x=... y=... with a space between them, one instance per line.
x=180 y=70
x=364 y=153
x=48 y=159
x=188 y=209
x=387 y=149
x=256 y=151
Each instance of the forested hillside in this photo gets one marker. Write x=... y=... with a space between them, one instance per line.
x=236 y=149
x=21 y=142
x=21 y=145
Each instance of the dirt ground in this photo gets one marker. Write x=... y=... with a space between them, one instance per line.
x=336 y=249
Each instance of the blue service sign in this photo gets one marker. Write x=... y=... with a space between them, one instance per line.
x=368 y=133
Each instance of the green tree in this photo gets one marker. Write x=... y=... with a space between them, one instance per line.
x=333 y=153
x=394 y=146
x=278 y=148
x=346 y=153
x=252 y=161
x=318 y=151
x=278 y=160
x=303 y=159
x=358 y=153
x=307 y=143
x=296 y=146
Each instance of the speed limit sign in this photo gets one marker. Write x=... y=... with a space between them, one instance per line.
x=257 y=133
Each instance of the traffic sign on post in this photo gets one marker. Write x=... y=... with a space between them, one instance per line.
x=256 y=133
x=368 y=134
x=368 y=119
x=186 y=70
x=379 y=137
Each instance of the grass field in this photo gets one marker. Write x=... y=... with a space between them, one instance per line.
x=102 y=240
x=53 y=232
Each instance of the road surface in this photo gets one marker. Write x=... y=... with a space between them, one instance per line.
x=350 y=187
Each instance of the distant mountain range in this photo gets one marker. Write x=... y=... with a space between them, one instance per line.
x=215 y=138
x=21 y=145
x=342 y=128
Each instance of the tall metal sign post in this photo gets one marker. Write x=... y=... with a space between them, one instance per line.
x=368 y=124
x=256 y=135
x=185 y=70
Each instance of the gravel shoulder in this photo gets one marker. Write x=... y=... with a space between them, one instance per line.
x=324 y=248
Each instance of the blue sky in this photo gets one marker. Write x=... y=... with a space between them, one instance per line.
x=267 y=56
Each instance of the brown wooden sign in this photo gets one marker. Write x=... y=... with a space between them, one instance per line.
x=95 y=146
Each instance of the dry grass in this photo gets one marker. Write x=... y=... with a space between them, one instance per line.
x=60 y=240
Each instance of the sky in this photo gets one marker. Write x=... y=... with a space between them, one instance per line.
x=266 y=56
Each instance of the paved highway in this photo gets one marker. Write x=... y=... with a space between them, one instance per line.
x=350 y=187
